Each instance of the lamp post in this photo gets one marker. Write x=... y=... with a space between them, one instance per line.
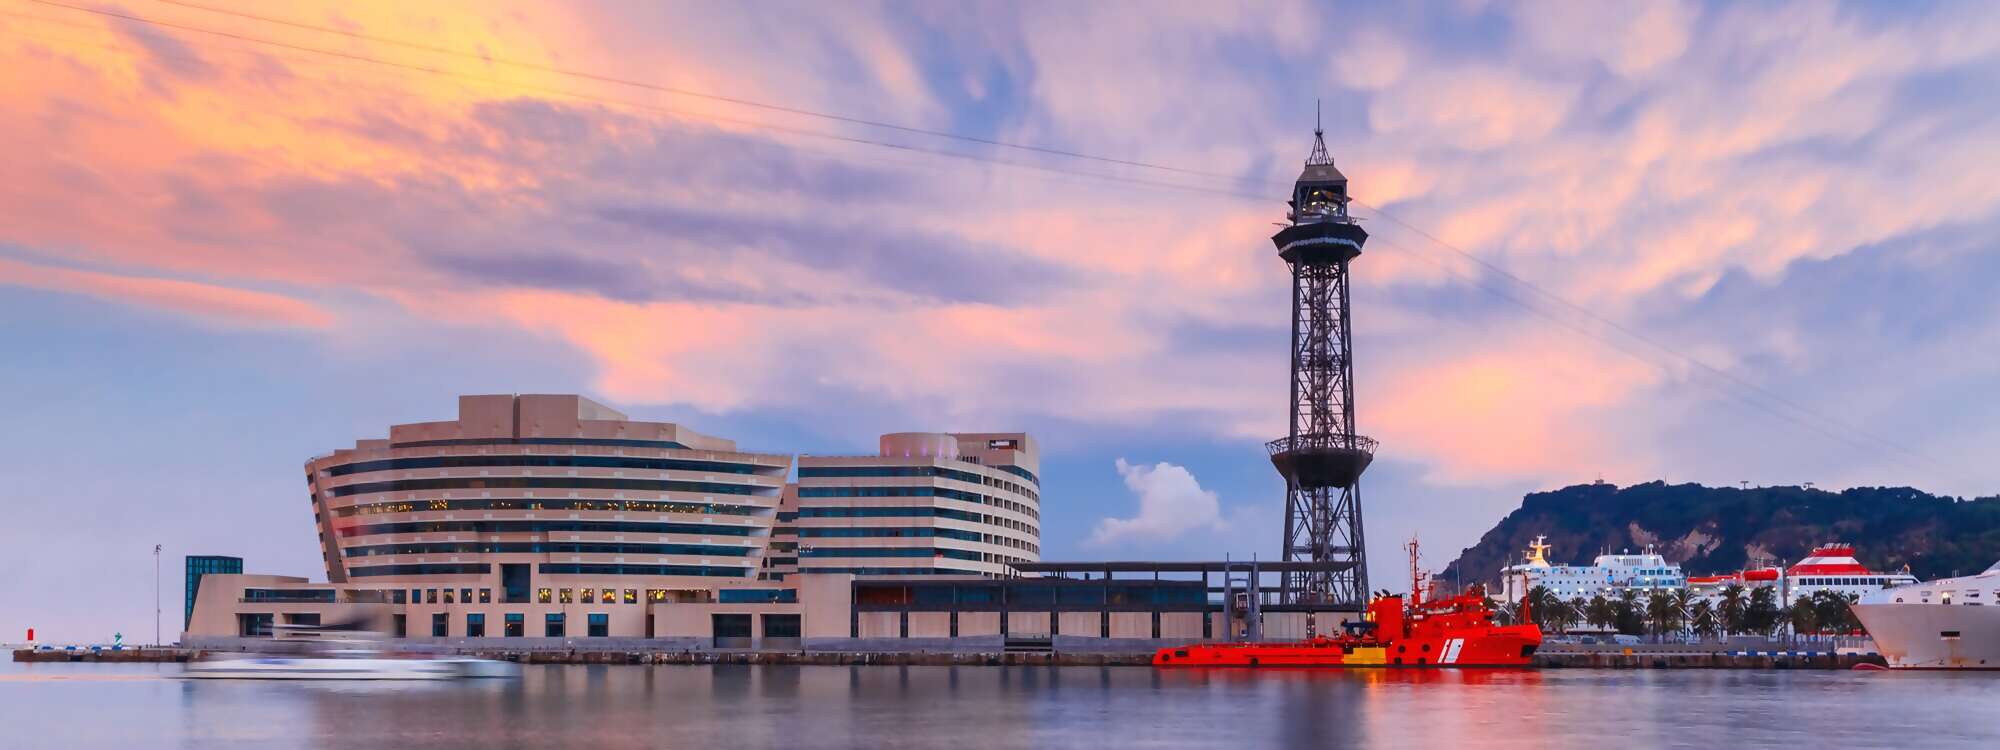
x=156 y=595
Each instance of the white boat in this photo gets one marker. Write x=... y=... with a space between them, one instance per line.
x=1950 y=623
x=251 y=667
x=311 y=652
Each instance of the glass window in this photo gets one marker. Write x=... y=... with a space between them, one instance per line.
x=430 y=596
x=475 y=625
x=544 y=596
x=416 y=596
x=600 y=625
x=439 y=624
x=448 y=597
x=589 y=596
x=486 y=596
x=656 y=595
x=514 y=625
x=608 y=596
x=631 y=596
x=563 y=596
x=553 y=625
x=465 y=595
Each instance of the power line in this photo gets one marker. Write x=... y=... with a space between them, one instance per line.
x=682 y=114
x=1490 y=267
x=1648 y=340
x=677 y=91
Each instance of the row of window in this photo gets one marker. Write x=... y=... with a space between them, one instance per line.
x=514 y=625
x=564 y=483
x=610 y=548
x=288 y=595
x=806 y=472
x=544 y=527
x=421 y=569
x=567 y=462
x=619 y=506
x=916 y=512
x=867 y=531
x=1843 y=582
x=905 y=491
x=888 y=552
x=640 y=570
x=612 y=442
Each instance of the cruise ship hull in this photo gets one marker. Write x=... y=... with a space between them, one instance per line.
x=1934 y=636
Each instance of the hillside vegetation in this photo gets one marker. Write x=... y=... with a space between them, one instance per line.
x=1712 y=530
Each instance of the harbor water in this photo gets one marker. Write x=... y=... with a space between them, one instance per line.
x=142 y=705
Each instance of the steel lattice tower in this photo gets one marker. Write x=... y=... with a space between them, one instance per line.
x=1322 y=458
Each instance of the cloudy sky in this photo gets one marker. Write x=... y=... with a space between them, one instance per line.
x=1716 y=243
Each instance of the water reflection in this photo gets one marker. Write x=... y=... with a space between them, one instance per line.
x=982 y=707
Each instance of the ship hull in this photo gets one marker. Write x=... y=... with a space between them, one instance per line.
x=1934 y=636
x=1497 y=647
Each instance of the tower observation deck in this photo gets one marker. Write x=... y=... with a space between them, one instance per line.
x=1322 y=457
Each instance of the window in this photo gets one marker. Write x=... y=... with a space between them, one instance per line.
x=416 y=596
x=600 y=625
x=608 y=596
x=448 y=599
x=396 y=597
x=589 y=596
x=543 y=596
x=514 y=625
x=563 y=596
x=465 y=595
x=631 y=596
x=756 y=596
x=553 y=625
x=430 y=596
x=475 y=625
x=656 y=595
x=440 y=624
x=486 y=596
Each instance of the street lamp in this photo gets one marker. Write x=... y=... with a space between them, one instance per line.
x=156 y=595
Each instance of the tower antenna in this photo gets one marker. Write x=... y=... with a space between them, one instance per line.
x=1319 y=155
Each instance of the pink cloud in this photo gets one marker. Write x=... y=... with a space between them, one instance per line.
x=227 y=306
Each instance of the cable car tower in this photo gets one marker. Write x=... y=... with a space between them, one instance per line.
x=1322 y=458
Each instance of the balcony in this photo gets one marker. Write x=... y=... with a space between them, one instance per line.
x=1313 y=461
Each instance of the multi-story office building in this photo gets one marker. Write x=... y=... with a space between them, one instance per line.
x=549 y=515
x=559 y=517
x=925 y=504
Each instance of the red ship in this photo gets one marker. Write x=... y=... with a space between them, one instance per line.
x=1455 y=631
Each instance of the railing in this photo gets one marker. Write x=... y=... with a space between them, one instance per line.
x=1343 y=442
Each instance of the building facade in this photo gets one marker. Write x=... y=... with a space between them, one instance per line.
x=925 y=504
x=557 y=517
x=202 y=565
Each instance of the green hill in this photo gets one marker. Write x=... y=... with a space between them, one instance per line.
x=1712 y=530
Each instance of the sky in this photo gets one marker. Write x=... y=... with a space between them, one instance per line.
x=1730 y=242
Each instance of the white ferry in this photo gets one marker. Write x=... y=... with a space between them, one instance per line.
x=1608 y=575
x=1950 y=623
x=1833 y=567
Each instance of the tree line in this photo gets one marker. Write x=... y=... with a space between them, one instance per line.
x=1660 y=613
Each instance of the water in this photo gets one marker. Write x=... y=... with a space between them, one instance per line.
x=132 y=706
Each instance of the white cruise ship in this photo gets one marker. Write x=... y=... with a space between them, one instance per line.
x=1950 y=623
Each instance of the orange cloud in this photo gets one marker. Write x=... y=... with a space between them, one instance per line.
x=228 y=306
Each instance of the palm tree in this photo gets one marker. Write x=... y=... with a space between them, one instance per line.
x=1803 y=617
x=1599 y=613
x=1734 y=606
x=1660 y=614
x=1573 y=612
x=1762 y=615
x=1683 y=606
x=1630 y=619
x=1702 y=616
x=1542 y=606
x=1832 y=613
